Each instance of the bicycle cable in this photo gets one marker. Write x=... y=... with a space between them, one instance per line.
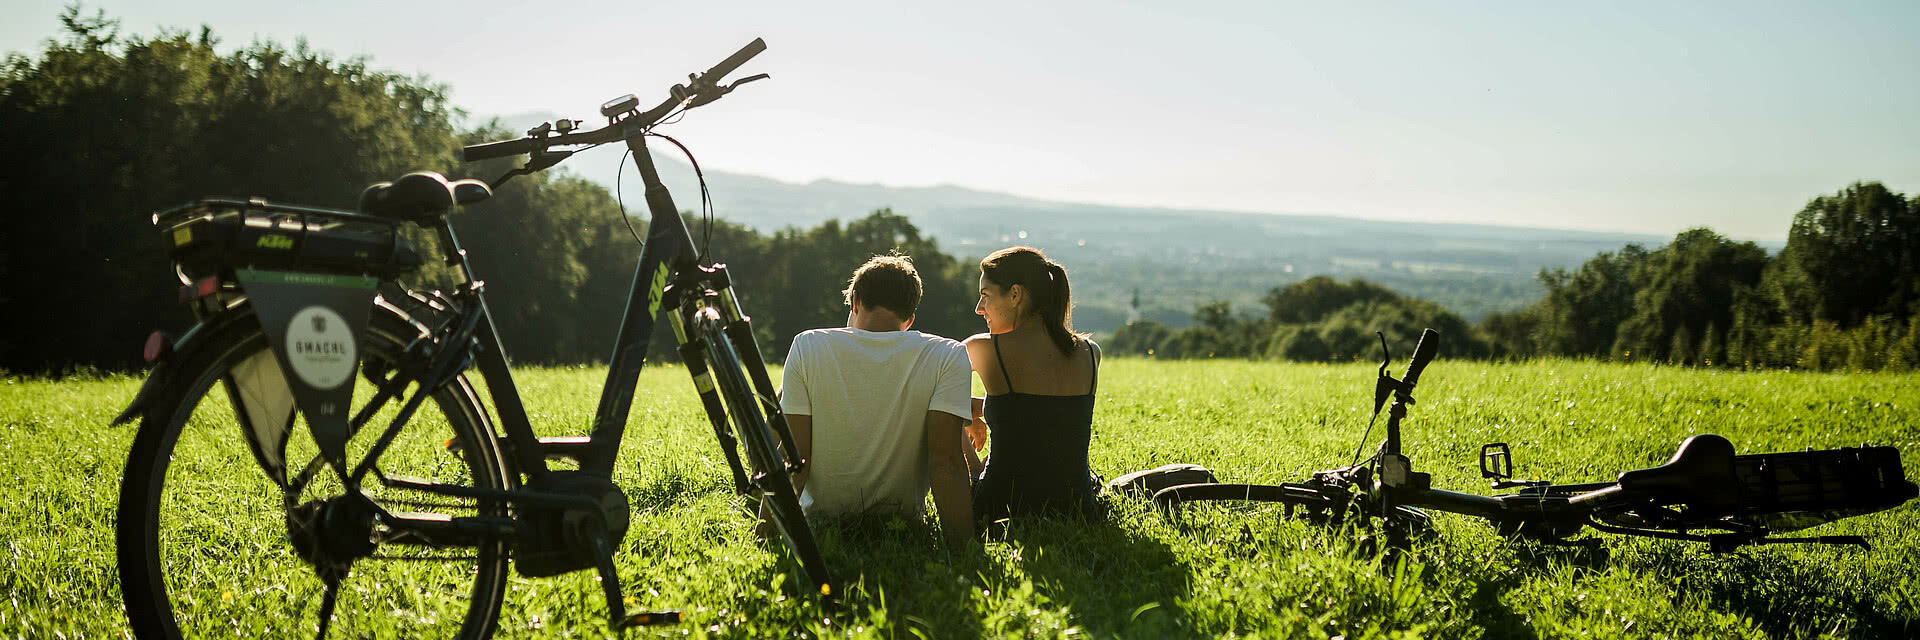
x=619 y=175
x=706 y=198
x=1363 y=439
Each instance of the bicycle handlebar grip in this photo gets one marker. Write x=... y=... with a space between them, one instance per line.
x=1422 y=354
x=500 y=149
x=734 y=61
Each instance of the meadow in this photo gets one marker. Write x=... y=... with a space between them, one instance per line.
x=1219 y=570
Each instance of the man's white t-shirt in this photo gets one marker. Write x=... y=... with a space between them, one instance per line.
x=868 y=393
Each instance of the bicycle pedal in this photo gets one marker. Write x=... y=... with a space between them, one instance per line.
x=650 y=618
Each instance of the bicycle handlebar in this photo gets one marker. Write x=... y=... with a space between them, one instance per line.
x=734 y=61
x=704 y=88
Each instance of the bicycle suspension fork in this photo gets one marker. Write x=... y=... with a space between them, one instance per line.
x=693 y=353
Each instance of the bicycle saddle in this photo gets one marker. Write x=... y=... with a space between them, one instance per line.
x=420 y=195
x=1700 y=473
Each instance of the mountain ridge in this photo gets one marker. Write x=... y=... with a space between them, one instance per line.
x=1172 y=258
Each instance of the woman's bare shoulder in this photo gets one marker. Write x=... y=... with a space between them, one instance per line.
x=979 y=345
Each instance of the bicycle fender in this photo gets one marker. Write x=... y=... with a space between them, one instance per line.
x=163 y=370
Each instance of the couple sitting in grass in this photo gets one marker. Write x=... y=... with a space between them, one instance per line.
x=885 y=414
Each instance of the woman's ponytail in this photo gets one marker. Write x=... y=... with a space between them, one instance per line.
x=1058 y=314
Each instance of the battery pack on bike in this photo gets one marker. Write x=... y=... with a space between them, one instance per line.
x=210 y=237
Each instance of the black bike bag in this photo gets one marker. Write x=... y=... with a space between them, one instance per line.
x=1820 y=486
x=213 y=236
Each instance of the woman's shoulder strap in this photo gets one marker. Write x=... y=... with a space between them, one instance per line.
x=1001 y=361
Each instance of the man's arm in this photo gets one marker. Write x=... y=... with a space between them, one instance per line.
x=802 y=428
x=948 y=471
x=974 y=465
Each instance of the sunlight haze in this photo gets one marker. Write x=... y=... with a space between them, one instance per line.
x=1641 y=117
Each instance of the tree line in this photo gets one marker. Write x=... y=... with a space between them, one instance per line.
x=109 y=128
x=1843 y=294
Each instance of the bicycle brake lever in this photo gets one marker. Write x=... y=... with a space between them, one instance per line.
x=736 y=84
x=695 y=97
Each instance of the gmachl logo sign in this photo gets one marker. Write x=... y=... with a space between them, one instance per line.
x=314 y=321
x=320 y=347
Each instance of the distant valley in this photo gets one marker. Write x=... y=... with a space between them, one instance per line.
x=1173 y=259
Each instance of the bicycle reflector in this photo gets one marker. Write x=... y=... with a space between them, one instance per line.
x=159 y=344
x=200 y=289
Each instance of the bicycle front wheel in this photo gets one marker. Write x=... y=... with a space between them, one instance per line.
x=212 y=545
x=771 y=479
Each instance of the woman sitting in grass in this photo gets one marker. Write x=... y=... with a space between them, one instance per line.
x=1040 y=378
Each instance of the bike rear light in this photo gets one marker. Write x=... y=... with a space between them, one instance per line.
x=200 y=289
x=159 y=344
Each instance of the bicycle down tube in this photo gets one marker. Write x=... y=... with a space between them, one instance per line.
x=669 y=249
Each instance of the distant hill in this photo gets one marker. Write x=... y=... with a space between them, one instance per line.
x=1174 y=258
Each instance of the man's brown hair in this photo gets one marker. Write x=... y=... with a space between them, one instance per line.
x=887 y=282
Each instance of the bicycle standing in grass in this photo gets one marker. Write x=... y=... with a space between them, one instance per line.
x=400 y=505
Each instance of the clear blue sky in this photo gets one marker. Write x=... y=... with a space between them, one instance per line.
x=1629 y=116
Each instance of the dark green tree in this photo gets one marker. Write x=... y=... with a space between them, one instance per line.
x=807 y=270
x=1851 y=255
x=120 y=126
x=1687 y=291
x=1140 y=338
x=1315 y=298
x=1582 y=311
x=1512 y=334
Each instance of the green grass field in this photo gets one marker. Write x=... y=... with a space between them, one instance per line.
x=1221 y=571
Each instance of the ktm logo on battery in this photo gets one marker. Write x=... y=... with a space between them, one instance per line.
x=275 y=241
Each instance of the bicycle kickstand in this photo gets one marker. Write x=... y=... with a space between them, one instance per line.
x=616 y=603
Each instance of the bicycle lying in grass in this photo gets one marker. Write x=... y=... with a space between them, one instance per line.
x=407 y=528
x=1705 y=493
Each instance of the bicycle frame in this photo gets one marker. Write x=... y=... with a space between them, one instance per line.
x=669 y=258
x=1386 y=487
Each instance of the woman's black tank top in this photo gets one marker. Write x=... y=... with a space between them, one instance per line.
x=1039 y=460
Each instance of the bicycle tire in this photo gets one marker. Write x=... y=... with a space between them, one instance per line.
x=184 y=539
x=1217 y=491
x=763 y=452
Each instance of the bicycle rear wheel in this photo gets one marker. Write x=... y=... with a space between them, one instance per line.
x=205 y=537
x=763 y=452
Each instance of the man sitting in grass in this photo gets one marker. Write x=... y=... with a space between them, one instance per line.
x=877 y=410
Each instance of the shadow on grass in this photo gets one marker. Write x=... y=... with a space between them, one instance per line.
x=1109 y=580
x=1116 y=580
x=895 y=571
x=1756 y=583
x=1496 y=617
x=1784 y=595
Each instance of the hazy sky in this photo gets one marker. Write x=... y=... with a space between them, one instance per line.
x=1648 y=117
